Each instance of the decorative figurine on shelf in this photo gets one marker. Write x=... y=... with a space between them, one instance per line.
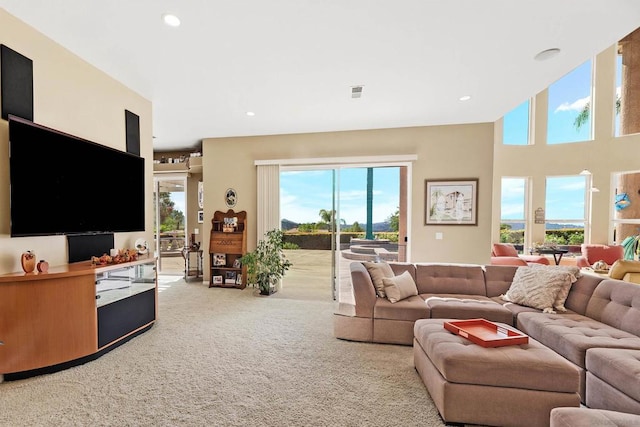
x=28 y=261
x=43 y=266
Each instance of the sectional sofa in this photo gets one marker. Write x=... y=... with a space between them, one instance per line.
x=597 y=326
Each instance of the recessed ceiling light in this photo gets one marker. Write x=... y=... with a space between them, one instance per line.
x=465 y=98
x=250 y=113
x=171 y=20
x=547 y=54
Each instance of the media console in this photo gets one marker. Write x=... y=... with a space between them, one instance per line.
x=73 y=313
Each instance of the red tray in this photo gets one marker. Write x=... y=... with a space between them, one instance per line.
x=486 y=333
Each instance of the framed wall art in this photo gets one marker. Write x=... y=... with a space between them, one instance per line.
x=230 y=197
x=451 y=201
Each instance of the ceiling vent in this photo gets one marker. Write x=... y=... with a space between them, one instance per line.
x=356 y=91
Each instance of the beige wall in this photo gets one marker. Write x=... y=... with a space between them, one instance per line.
x=603 y=156
x=72 y=96
x=460 y=151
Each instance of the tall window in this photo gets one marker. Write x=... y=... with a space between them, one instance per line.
x=515 y=129
x=569 y=104
x=626 y=213
x=566 y=209
x=512 y=211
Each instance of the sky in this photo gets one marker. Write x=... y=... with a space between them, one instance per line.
x=304 y=193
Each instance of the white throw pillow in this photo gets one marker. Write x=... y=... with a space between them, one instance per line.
x=537 y=287
x=574 y=273
x=378 y=271
x=400 y=287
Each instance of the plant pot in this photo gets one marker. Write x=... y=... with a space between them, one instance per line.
x=269 y=291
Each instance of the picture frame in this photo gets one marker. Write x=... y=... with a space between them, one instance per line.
x=230 y=277
x=230 y=197
x=451 y=201
x=219 y=259
x=217 y=280
x=239 y=279
x=200 y=217
x=237 y=263
x=230 y=224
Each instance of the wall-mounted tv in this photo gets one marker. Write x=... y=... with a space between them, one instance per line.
x=62 y=184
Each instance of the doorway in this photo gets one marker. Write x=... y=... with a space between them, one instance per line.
x=169 y=222
x=357 y=212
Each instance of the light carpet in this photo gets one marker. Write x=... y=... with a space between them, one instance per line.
x=228 y=357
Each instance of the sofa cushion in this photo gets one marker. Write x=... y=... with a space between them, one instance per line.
x=408 y=309
x=581 y=292
x=450 y=279
x=616 y=303
x=571 y=335
x=498 y=278
x=619 y=368
x=537 y=287
x=570 y=417
x=399 y=287
x=378 y=271
x=457 y=306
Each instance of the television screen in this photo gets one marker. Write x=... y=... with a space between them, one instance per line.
x=62 y=184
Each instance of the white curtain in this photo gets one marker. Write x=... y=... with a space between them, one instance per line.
x=268 y=202
x=268 y=199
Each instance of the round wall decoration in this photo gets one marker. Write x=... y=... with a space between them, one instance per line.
x=230 y=197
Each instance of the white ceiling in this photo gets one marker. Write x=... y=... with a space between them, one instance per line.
x=293 y=62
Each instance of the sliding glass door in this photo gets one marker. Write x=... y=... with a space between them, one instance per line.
x=353 y=211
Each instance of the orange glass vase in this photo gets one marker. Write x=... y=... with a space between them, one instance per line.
x=28 y=261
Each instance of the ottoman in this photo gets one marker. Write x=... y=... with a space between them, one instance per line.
x=514 y=385
x=572 y=417
x=613 y=376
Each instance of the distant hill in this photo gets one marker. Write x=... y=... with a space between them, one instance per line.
x=550 y=226
x=377 y=226
x=285 y=224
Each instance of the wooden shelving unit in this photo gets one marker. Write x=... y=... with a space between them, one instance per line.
x=228 y=243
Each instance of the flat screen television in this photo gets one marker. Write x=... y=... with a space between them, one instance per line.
x=62 y=184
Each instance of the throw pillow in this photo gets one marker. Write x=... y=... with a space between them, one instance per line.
x=537 y=288
x=378 y=271
x=400 y=287
x=574 y=274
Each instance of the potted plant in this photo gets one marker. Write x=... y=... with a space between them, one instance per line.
x=267 y=263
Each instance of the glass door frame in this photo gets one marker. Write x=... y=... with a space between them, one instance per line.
x=157 y=179
x=336 y=166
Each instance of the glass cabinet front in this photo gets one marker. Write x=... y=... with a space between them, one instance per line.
x=114 y=285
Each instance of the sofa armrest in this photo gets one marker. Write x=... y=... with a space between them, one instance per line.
x=364 y=292
x=508 y=260
x=582 y=262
